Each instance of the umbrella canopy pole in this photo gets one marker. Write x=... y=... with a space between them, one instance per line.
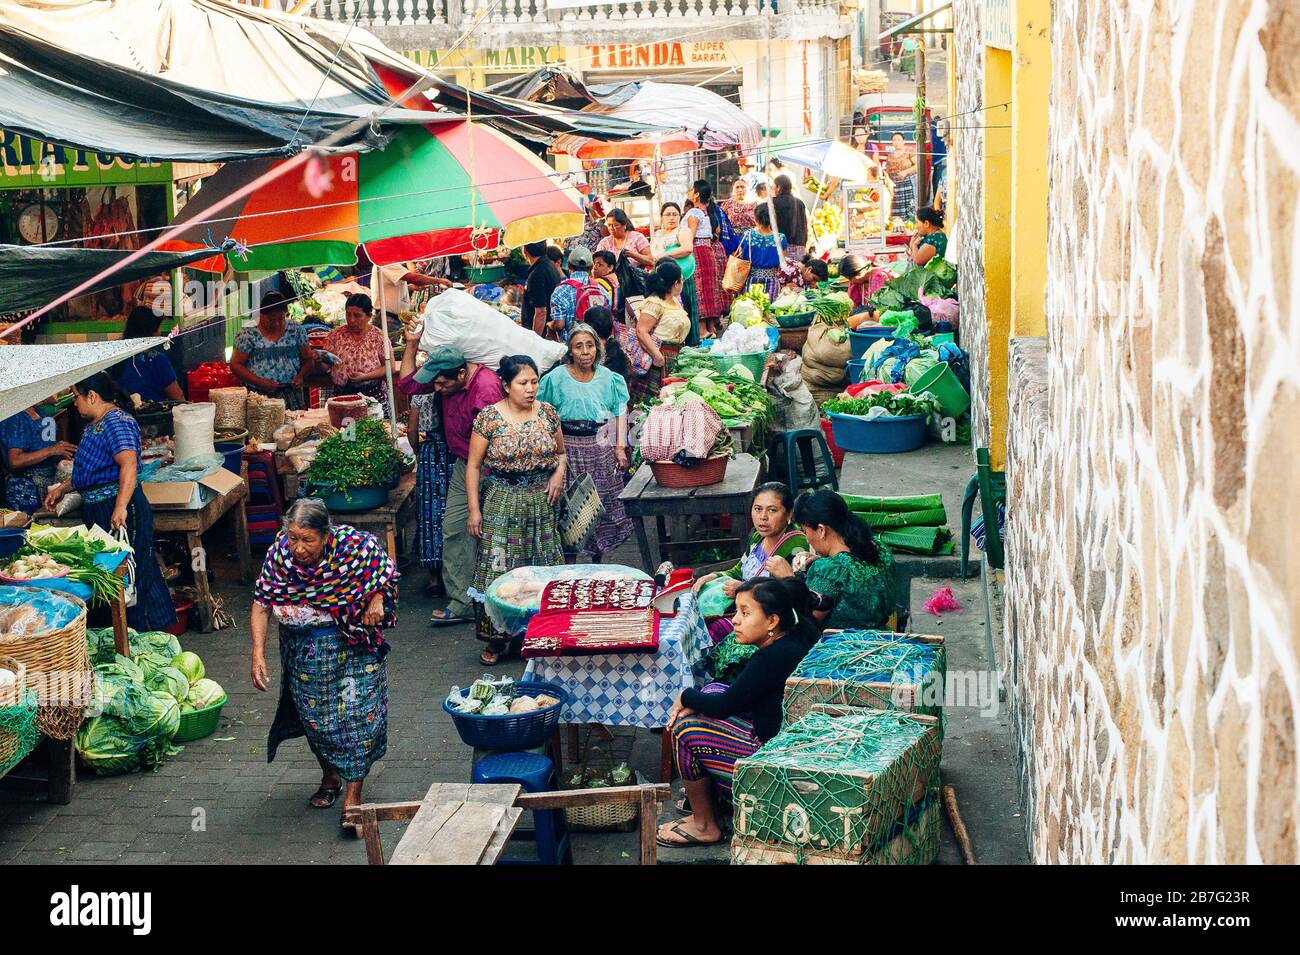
x=388 y=345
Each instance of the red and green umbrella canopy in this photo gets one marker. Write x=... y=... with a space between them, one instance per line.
x=436 y=190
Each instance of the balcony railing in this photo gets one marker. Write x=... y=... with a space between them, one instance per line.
x=399 y=13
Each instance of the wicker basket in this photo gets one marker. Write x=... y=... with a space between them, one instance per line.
x=12 y=695
x=604 y=817
x=58 y=668
x=711 y=471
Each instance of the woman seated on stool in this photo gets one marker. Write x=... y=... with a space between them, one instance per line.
x=852 y=577
x=714 y=727
x=770 y=513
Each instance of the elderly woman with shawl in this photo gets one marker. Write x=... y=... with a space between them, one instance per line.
x=333 y=590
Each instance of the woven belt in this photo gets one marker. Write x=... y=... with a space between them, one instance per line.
x=519 y=478
x=581 y=429
x=320 y=630
x=94 y=495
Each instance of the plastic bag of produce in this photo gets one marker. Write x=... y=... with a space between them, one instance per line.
x=712 y=601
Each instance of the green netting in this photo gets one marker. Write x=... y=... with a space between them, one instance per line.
x=18 y=733
x=857 y=787
x=868 y=668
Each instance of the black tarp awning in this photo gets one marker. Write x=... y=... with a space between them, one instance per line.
x=560 y=87
x=208 y=81
x=31 y=276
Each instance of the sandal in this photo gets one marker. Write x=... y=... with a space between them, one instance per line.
x=326 y=794
x=349 y=829
x=490 y=657
x=690 y=842
x=435 y=590
x=445 y=618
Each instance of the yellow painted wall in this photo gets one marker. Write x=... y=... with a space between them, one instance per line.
x=997 y=243
x=1031 y=78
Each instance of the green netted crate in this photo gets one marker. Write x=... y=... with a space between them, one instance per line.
x=869 y=668
x=841 y=786
x=18 y=734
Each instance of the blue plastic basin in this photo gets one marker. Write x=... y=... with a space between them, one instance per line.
x=880 y=436
x=868 y=335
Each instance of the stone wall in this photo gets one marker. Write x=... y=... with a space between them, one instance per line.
x=1153 y=602
x=967 y=149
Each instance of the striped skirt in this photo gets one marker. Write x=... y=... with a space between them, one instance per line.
x=518 y=529
x=336 y=695
x=594 y=455
x=710 y=262
x=705 y=747
x=646 y=387
x=433 y=477
x=692 y=306
x=770 y=279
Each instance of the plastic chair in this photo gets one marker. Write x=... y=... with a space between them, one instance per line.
x=991 y=488
x=535 y=773
x=820 y=469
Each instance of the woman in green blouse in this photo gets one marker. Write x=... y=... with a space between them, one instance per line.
x=930 y=241
x=852 y=578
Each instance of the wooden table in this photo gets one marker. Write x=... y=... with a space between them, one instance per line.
x=193 y=524
x=470 y=824
x=389 y=521
x=644 y=499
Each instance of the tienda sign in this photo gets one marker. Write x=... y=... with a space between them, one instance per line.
x=632 y=56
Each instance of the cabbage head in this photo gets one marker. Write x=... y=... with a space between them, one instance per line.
x=157 y=716
x=170 y=680
x=155 y=641
x=190 y=665
x=107 y=746
x=205 y=693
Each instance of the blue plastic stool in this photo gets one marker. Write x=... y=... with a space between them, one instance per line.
x=535 y=773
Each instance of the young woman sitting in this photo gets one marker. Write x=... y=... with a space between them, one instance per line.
x=714 y=727
x=852 y=577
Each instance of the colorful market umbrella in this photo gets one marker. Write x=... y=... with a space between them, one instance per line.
x=436 y=190
x=834 y=158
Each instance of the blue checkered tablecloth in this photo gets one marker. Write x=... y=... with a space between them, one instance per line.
x=631 y=689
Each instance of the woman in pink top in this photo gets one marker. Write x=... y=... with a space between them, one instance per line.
x=623 y=238
x=362 y=353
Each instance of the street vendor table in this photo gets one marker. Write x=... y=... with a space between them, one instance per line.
x=193 y=524
x=644 y=499
x=630 y=689
x=389 y=521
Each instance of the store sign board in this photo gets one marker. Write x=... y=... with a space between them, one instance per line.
x=510 y=59
x=30 y=163
x=659 y=56
x=999 y=23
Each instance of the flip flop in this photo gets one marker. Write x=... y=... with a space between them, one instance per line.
x=690 y=843
x=445 y=618
x=490 y=658
x=326 y=793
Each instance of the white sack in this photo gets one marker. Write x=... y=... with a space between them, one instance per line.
x=485 y=335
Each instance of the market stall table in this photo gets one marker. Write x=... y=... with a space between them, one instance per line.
x=630 y=689
x=389 y=521
x=644 y=498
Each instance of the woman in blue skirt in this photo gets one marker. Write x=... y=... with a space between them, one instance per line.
x=105 y=472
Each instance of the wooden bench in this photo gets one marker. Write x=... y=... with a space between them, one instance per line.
x=470 y=824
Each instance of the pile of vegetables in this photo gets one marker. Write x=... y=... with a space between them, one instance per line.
x=938 y=278
x=487 y=696
x=734 y=395
x=751 y=307
x=361 y=455
x=832 y=307
x=892 y=405
x=74 y=549
x=139 y=700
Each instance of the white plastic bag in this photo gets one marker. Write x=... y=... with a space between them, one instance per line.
x=481 y=332
x=128 y=583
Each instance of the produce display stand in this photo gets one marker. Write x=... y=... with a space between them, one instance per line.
x=644 y=499
x=193 y=523
x=60 y=778
x=470 y=824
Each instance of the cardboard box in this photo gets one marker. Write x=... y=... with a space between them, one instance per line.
x=190 y=495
